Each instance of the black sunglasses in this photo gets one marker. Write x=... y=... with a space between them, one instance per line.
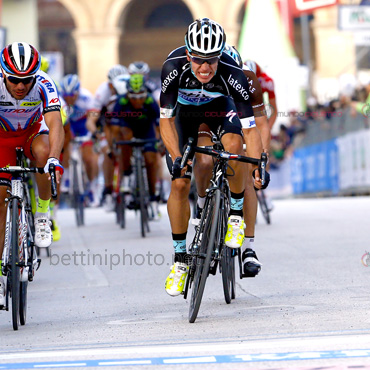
x=137 y=95
x=200 y=61
x=16 y=80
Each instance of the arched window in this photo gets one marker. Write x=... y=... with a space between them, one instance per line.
x=55 y=32
x=173 y=16
x=151 y=30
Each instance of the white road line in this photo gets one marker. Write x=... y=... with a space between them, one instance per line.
x=208 y=359
x=48 y=366
x=138 y=362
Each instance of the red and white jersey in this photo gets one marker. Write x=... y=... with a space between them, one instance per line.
x=266 y=82
x=267 y=85
x=103 y=96
x=17 y=115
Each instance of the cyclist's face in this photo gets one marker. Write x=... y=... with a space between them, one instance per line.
x=203 y=72
x=18 y=90
x=71 y=99
x=137 y=103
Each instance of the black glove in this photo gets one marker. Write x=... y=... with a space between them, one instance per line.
x=267 y=179
x=176 y=169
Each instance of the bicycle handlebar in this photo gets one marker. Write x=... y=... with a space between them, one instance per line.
x=135 y=142
x=18 y=170
x=191 y=149
x=81 y=139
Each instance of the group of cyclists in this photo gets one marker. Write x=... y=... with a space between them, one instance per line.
x=205 y=88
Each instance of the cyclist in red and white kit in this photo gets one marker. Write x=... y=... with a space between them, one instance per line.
x=29 y=118
x=268 y=86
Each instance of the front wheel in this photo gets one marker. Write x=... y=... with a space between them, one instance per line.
x=203 y=260
x=15 y=269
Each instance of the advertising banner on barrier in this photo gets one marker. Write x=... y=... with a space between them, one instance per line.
x=315 y=168
x=354 y=159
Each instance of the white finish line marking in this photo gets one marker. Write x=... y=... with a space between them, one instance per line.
x=282 y=345
x=242 y=358
x=66 y=364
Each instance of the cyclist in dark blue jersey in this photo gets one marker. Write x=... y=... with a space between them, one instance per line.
x=136 y=114
x=200 y=84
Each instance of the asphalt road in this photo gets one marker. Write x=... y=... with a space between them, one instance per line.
x=99 y=301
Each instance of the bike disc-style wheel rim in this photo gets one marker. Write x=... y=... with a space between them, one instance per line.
x=207 y=247
x=226 y=273
x=264 y=209
x=232 y=271
x=122 y=211
x=15 y=270
x=23 y=302
x=81 y=209
x=143 y=210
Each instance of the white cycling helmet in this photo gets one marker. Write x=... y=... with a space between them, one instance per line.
x=120 y=84
x=252 y=65
x=205 y=38
x=234 y=54
x=69 y=85
x=117 y=70
x=139 y=68
x=20 y=59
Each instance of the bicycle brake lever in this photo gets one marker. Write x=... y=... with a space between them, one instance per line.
x=262 y=168
x=187 y=152
x=54 y=192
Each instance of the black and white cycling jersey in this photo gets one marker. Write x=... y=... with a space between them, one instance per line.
x=180 y=86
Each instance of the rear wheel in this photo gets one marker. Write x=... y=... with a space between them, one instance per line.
x=23 y=301
x=263 y=205
x=121 y=210
x=228 y=273
x=77 y=197
x=203 y=260
x=233 y=284
x=144 y=216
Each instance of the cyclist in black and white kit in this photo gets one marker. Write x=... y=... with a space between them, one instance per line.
x=200 y=84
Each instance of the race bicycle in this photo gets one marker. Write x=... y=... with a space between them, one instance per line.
x=208 y=249
x=19 y=260
x=140 y=187
x=261 y=196
x=78 y=179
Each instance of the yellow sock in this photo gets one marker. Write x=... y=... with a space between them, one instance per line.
x=43 y=206
x=51 y=205
x=1 y=270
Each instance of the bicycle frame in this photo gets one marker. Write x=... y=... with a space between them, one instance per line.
x=17 y=194
x=77 y=178
x=18 y=257
x=141 y=186
x=76 y=162
x=213 y=225
x=218 y=181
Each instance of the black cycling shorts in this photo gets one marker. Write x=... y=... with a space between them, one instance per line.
x=220 y=115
